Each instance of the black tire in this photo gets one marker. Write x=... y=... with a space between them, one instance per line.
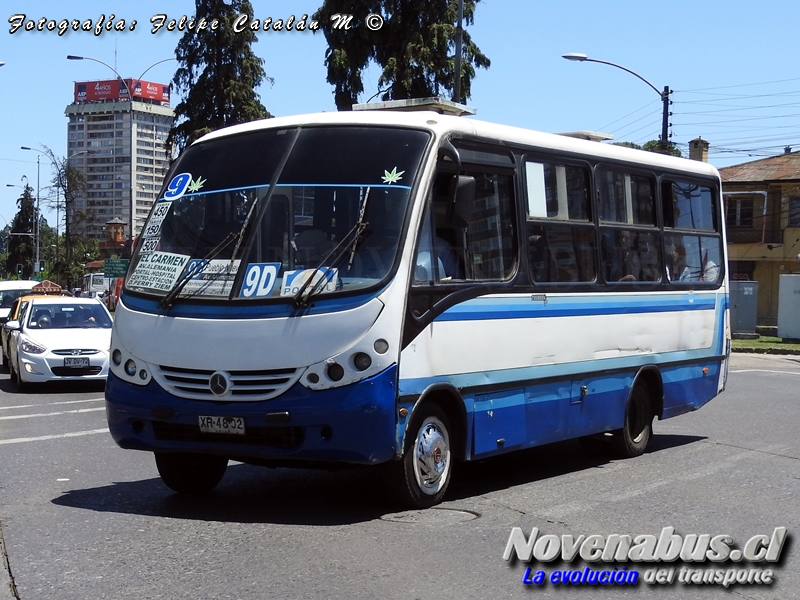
x=632 y=439
x=188 y=473
x=421 y=478
x=5 y=359
x=22 y=386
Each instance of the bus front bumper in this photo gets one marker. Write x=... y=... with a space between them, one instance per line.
x=353 y=424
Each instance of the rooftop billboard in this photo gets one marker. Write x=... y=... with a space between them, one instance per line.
x=117 y=89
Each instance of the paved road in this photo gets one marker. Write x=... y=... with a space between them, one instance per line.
x=82 y=519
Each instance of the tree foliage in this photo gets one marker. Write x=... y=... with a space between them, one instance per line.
x=415 y=48
x=217 y=75
x=64 y=264
x=652 y=146
x=21 y=241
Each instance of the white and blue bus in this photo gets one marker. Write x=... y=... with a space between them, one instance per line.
x=410 y=289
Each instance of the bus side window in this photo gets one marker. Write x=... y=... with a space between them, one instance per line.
x=471 y=235
x=559 y=231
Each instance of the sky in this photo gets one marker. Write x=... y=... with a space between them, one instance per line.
x=731 y=63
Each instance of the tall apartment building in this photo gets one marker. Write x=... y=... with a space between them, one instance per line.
x=116 y=137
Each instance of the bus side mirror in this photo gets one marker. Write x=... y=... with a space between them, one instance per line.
x=462 y=200
x=449 y=153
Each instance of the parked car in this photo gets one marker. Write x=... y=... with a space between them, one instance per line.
x=59 y=338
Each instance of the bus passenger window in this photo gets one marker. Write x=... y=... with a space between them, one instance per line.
x=625 y=198
x=630 y=255
x=474 y=241
x=561 y=246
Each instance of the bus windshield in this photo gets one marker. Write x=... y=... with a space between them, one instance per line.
x=283 y=214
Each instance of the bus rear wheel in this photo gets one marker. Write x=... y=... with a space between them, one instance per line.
x=633 y=438
x=422 y=476
x=188 y=473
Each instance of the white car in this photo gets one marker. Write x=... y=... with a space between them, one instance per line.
x=58 y=338
x=10 y=291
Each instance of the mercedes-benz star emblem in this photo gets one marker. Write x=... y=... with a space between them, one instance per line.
x=218 y=383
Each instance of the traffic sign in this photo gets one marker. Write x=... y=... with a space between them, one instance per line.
x=115 y=267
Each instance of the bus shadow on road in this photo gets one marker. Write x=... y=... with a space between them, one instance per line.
x=542 y=463
x=249 y=494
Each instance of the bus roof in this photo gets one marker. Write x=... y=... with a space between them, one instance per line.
x=443 y=125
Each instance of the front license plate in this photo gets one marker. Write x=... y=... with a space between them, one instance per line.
x=234 y=425
x=76 y=362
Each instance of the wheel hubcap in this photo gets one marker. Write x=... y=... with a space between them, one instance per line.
x=431 y=456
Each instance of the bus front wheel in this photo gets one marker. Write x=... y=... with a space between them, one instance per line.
x=638 y=428
x=422 y=476
x=190 y=473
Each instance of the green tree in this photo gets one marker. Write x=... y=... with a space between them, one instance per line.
x=217 y=75
x=5 y=238
x=67 y=183
x=415 y=49
x=655 y=146
x=21 y=242
x=652 y=146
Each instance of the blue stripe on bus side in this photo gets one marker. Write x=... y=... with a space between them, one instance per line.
x=524 y=308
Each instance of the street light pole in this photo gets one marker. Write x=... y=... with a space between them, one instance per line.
x=664 y=95
x=36 y=227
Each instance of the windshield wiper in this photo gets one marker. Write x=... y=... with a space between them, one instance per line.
x=188 y=273
x=302 y=297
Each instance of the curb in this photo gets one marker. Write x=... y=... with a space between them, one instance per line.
x=767 y=351
x=6 y=580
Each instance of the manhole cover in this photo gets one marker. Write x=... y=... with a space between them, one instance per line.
x=432 y=516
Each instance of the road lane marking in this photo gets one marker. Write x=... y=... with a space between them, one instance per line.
x=51 y=404
x=53 y=414
x=53 y=437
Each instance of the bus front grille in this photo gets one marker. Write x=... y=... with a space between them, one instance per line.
x=196 y=384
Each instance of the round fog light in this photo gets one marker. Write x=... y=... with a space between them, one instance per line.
x=142 y=374
x=116 y=356
x=381 y=346
x=335 y=371
x=362 y=361
x=130 y=367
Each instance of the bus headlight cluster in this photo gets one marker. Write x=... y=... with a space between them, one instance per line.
x=126 y=367
x=349 y=367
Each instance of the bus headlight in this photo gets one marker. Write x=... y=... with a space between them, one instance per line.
x=362 y=361
x=128 y=367
x=335 y=371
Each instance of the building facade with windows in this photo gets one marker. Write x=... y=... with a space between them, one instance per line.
x=762 y=213
x=116 y=137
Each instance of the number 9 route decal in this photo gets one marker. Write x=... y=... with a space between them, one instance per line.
x=259 y=280
x=178 y=186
